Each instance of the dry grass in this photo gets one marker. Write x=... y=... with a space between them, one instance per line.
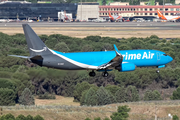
x=60 y=100
x=83 y=32
x=63 y=108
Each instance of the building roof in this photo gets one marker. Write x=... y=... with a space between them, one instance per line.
x=140 y=6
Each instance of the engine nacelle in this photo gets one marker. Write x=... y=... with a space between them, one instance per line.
x=124 y=67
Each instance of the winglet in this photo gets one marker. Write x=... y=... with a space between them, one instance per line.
x=116 y=50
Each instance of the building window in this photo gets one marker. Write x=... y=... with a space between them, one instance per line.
x=166 y=13
x=141 y=13
x=123 y=9
x=150 y=9
x=172 y=13
x=161 y=9
x=150 y=13
x=128 y=9
x=137 y=13
x=141 y=9
x=134 y=9
x=145 y=9
x=111 y=9
x=106 y=9
x=103 y=9
x=111 y=13
x=120 y=9
x=155 y=9
x=131 y=9
x=106 y=13
x=172 y=9
x=177 y=9
x=155 y=13
x=145 y=13
x=103 y=13
x=166 y=9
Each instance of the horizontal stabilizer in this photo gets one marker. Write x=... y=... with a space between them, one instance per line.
x=19 y=56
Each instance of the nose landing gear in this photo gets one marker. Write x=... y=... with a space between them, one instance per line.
x=105 y=74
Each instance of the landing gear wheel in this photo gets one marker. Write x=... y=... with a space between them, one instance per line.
x=157 y=71
x=92 y=74
x=105 y=74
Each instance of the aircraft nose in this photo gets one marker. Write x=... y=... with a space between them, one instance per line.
x=170 y=58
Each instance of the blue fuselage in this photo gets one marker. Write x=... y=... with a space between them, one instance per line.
x=140 y=58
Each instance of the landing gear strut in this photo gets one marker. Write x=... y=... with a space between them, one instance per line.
x=157 y=71
x=92 y=74
x=105 y=74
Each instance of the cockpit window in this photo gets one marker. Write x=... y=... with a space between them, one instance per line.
x=164 y=54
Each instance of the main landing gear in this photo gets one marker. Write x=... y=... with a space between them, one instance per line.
x=92 y=74
x=104 y=74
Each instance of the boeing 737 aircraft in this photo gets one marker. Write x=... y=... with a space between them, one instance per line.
x=168 y=18
x=124 y=60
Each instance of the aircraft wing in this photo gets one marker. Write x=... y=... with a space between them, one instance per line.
x=116 y=61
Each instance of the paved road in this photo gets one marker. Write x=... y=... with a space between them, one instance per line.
x=91 y=24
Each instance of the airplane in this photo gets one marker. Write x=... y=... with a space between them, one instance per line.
x=114 y=18
x=67 y=17
x=168 y=18
x=4 y=20
x=101 y=61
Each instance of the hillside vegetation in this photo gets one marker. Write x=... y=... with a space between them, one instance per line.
x=16 y=74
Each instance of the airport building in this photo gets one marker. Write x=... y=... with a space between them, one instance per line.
x=144 y=11
x=24 y=10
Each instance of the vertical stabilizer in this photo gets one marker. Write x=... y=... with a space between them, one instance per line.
x=160 y=15
x=35 y=44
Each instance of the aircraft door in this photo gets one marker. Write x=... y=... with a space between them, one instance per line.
x=158 y=57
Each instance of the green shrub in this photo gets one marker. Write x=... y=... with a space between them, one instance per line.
x=176 y=94
x=26 y=97
x=20 y=117
x=121 y=114
x=38 y=117
x=7 y=97
x=152 y=95
x=175 y=117
x=46 y=96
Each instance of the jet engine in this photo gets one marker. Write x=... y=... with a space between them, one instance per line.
x=124 y=67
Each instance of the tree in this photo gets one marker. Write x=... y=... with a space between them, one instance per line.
x=132 y=94
x=152 y=95
x=97 y=118
x=29 y=117
x=104 y=2
x=38 y=117
x=20 y=117
x=175 y=117
x=176 y=94
x=7 y=97
x=87 y=119
x=62 y=47
x=26 y=97
x=8 y=117
x=104 y=96
x=112 y=88
x=121 y=114
x=80 y=87
x=91 y=97
x=120 y=95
